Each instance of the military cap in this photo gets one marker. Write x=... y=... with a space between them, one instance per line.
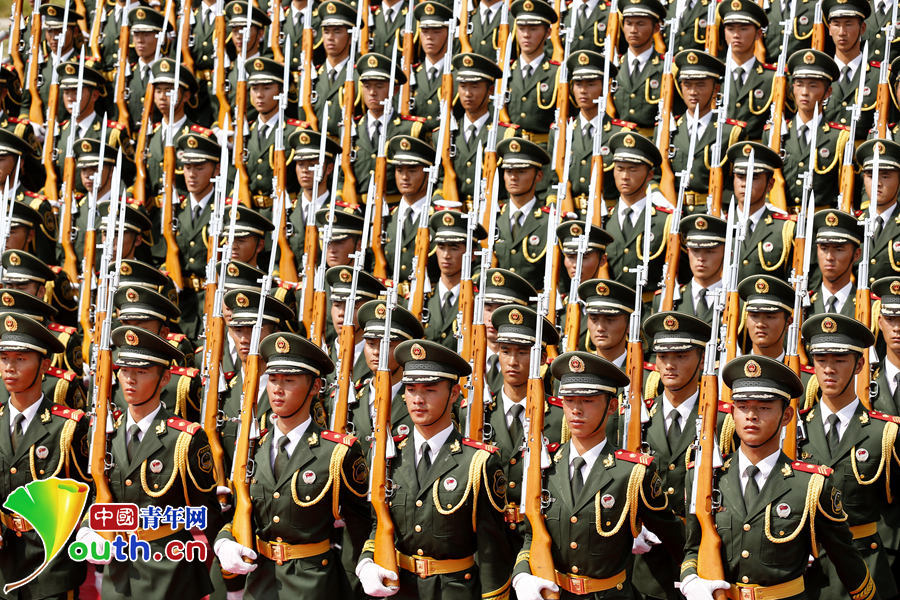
x=832 y=333
x=250 y=222
x=471 y=67
x=606 y=297
x=533 y=12
x=19 y=333
x=702 y=231
x=136 y=347
x=451 y=226
x=241 y=276
x=586 y=374
x=264 y=70
x=236 y=13
x=68 y=76
x=812 y=64
x=54 y=13
x=643 y=8
x=846 y=8
x=16 y=138
x=198 y=145
x=135 y=220
x=335 y=13
x=244 y=306
x=135 y=272
x=754 y=377
x=163 y=71
x=631 y=147
x=290 y=354
x=24 y=216
x=888 y=154
x=145 y=19
x=587 y=64
x=676 y=332
x=888 y=289
x=837 y=227
x=765 y=160
x=87 y=153
x=305 y=144
x=518 y=325
x=347 y=221
x=22 y=303
x=569 y=234
x=409 y=150
x=516 y=153
x=21 y=267
x=505 y=287
x=340 y=280
x=764 y=293
x=378 y=66
x=743 y=11
x=136 y=303
x=432 y=15
x=424 y=361
x=404 y=324
x=696 y=64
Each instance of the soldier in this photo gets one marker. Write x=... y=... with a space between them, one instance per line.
x=293 y=554
x=426 y=79
x=589 y=475
x=293 y=24
x=888 y=398
x=340 y=283
x=485 y=22
x=691 y=29
x=40 y=439
x=203 y=50
x=338 y=19
x=19 y=148
x=52 y=16
x=804 y=16
x=608 y=305
x=136 y=237
x=532 y=80
x=812 y=74
x=704 y=240
x=90 y=119
x=837 y=237
x=699 y=83
x=430 y=466
x=767 y=247
x=763 y=488
x=146 y=26
x=237 y=17
x=250 y=232
x=769 y=304
x=874 y=33
x=180 y=461
x=521 y=244
x=635 y=159
x=751 y=88
x=885 y=252
x=856 y=443
x=385 y=25
x=591 y=18
x=449 y=231
x=846 y=26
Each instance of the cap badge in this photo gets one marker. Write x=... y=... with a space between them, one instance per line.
x=131 y=295
x=831 y=219
x=692 y=58
x=879 y=148
x=429 y=9
x=345 y=276
x=895 y=287
x=809 y=58
x=417 y=352
x=528 y=6
x=736 y=5
x=467 y=61
x=602 y=289
x=372 y=62
x=762 y=287
x=515 y=317
x=125 y=270
x=282 y=346
x=514 y=146
x=192 y=142
x=164 y=66
x=304 y=138
x=747 y=149
x=752 y=369
x=7 y=299
x=380 y=311
x=670 y=323
x=14 y=260
x=70 y=69
x=242 y=301
x=576 y=365
x=140 y=14
x=131 y=338
x=448 y=220
x=85 y=146
x=575 y=230
x=498 y=279
x=237 y=9
x=404 y=144
x=331 y=9
x=10 y=323
x=51 y=11
x=829 y=325
x=258 y=65
x=628 y=142
x=583 y=59
x=232 y=270
x=701 y=224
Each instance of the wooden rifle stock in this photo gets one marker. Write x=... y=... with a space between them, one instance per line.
x=712 y=37
x=380 y=267
x=242 y=525
x=423 y=241
x=103 y=381
x=467 y=307
x=789 y=447
x=275 y=32
x=559 y=50
x=287 y=265
x=222 y=119
x=173 y=261
x=215 y=337
x=408 y=51
x=70 y=259
x=634 y=366
x=845 y=185
x=450 y=187
x=84 y=306
x=716 y=182
x=36 y=109
x=306 y=45
x=364 y=27
x=778 y=195
x=96 y=27
x=562 y=107
x=121 y=104
x=240 y=101
x=140 y=178
x=818 y=37
x=883 y=108
x=667 y=177
x=310 y=249
x=318 y=329
x=490 y=174
x=573 y=326
x=348 y=190
x=346 y=344
x=555 y=256
x=732 y=317
x=15 y=40
x=384 y=554
x=51 y=183
x=476 y=398
x=464 y=44
x=673 y=254
x=864 y=316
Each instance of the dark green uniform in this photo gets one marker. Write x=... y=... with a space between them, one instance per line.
x=384 y=30
x=830 y=141
x=532 y=99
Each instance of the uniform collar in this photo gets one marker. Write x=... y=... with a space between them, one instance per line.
x=28 y=413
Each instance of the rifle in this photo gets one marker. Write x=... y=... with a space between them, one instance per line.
x=501 y=95
x=36 y=108
x=554 y=254
x=562 y=116
x=311 y=233
x=223 y=119
x=15 y=39
x=863 y=297
x=776 y=118
x=7 y=203
x=307 y=93
x=70 y=261
x=317 y=330
x=712 y=30
x=122 y=66
x=240 y=116
x=673 y=241
x=883 y=99
x=97 y=27
x=716 y=177
x=465 y=315
x=380 y=175
x=173 y=261
x=847 y=175
x=408 y=52
x=287 y=265
x=541 y=559
x=555 y=38
x=465 y=28
x=51 y=185
x=276 y=37
x=667 y=93
x=573 y=309
x=818 y=32
x=595 y=189
x=504 y=54
x=362 y=26
x=348 y=154
x=419 y=270
x=446 y=149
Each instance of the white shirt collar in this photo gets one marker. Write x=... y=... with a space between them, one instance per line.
x=620 y=361
x=844 y=415
x=293 y=436
x=756 y=216
x=202 y=202
x=684 y=409
x=696 y=287
x=479 y=122
x=417 y=207
x=642 y=58
x=813 y=122
x=590 y=457
x=535 y=64
x=443 y=289
x=488 y=10
x=143 y=424
x=842 y=295
x=329 y=67
x=703 y=121
x=434 y=444
x=886 y=215
x=637 y=208
x=391 y=10
x=527 y=208
x=765 y=467
x=890 y=373
x=508 y=403
x=318 y=203
x=853 y=64
x=395 y=389
x=84 y=125
x=28 y=413
x=747 y=67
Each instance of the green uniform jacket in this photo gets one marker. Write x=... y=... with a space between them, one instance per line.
x=830 y=141
x=532 y=101
x=524 y=254
x=843 y=97
x=683 y=302
x=460 y=526
x=136 y=88
x=54 y=445
x=45 y=245
x=333 y=92
x=361 y=417
x=426 y=100
x=484 y=37
x=367 y=150
x=300 y=507
x=637 y=96
x=464 y=159
x=874 y=34
x=590 y=31
x=681 y=142
x=439 y=327
x=801 y=32
x=817 y=304
x=407 y=243
x=750 y=103
x=232 y=409
x=383 y=33
x=768 y=249
x=885 y=250
x=691 y=34
x=626 y=254
x=156 y=146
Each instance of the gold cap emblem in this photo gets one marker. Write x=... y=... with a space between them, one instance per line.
x=345 y=276
x=583 y=59
x=736 y=5
x=747 y=149
x=192 y=142
x=372 y=62
x=242 y=301
x=498 y=279
x=15 y=260
x=331 y=9
x=701 y=224
x=879 y=148
x=515 y=146
x=85 y=146
x=602 y=289
x=10 y=323
x=762 y=287
x=829 y=325
x=304 y=138
x=576 y=365
x=417 y=352
x=448 y=220
x=528 y=6
x=692 y=58
x=429 y=9
x=125 y=270
x=131 y=338
x=404 y=144
x=7 y=299
x=258 y=65
x=895 y=287
x=51 y=11
x=670 y=323
x=131 y=295
x=575 y=230
x=380 y=311
x=282 y=346
x=237 y=9
x=629 y=142
x=809 y=58
x=70 y=69
x=831 y=219
x=140 y=14
x=467 y=61
x=164 y=66
x=752 y=369
x=515 y=317
x=232 y=270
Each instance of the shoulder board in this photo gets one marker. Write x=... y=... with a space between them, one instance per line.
x=554 y=401
x=690 y=465
x=297 y=122
x=288 y=285
x=546 y=209
x=56 y=269
x=17 y=120
x=201 y=129
x=838 y=126
x=767 y=127
x=553 y=447
x=64 y=124
x=116 y=413
x=361 y=384
x=634 y=457
x=114 y=124
x=554 y=62
x=875 y=63
x=61 y=374
x=61 y=328
x=415 y=65
x=510 y=125
x=229 y=375
x=782 y=217
x=413 y=118
x=859 y=213
x=399 y=438
x=769 y=66
x=804 y=411
x=175 y=337
x=883 y=417
x=338 y=438
x=736 y=122
x=658 y=293
x=35 y=195
x=480 y=445
x=810 y=468
x=668 y=211
x=375 y=9
x=620 y=123
x=182 y=425
x=64 y=411
x=649 y=366
x=808 y=369
x=725 y=407
x=189 y=371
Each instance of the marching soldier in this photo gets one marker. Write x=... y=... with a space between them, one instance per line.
x=485 y=22
x=338 y=19
x=804 y=14
x=691 y=29
x=769 y=304
x=314 y=195
x=838 y=237
x=385 y=26
x=237 y=17
x=251 y=230
x=608 y=305
x=874 y=32
x=591 y=19
x=428 y=472
x=52 y=16
x=888 y=398
x=884 y=252
x=292 y=26
x=426 y=78
x=90 y=118
x=146 y=26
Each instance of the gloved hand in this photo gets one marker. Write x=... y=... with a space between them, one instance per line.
x=694 y=588
x=372 y=578
x=235 y=595
x=645 y=540
x=40 y=131
x=529 y=587
x=91 y=538
x=224 y=490
x=231 y=555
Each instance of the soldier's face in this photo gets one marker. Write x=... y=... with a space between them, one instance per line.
x=490 y=330
x=762 y=185
x=758 y=423
x=19 y=237
x=7 y=168
x=22 y=371
x=88 y=174
x=521 y=181
x=514 y=361
x=198 y=176
x=631 y=178
x=531 y=37
x=32 y=288
x=474 y=95
x=246 y=248
x=52 y=38
x=374 y=92
x=450 y=258
x=289 y=393
x=140 y=384
x=410 y=180
x=808 y=92
x=429 y=403
x=151 y=325
x=586 y=92
x=698 y=92
x=741 y=37
x=305 y=174
x=890 y=329
x=372 y=353
x=836 y=260
x=241 y=335
x=338 y=251
x=590 y=263
x=836 y=372
x=587 y=414
x=846 y=32
x=767 y=329
x=678 y=369
x=145 y=44
x=607 y=331
x=130 y=241
x=88 y=97
x=264 y=97
x=434 y=40
x=335 y=40
x=706 y=263
x=888 y=184
x=237 y=36
x=162 y=98
x=638 y=32
x=338 y=308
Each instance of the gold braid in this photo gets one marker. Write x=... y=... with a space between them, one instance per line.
x=809 y=510
x=485 y=478
x=631 y=505
x=65 y=439
x=333 y=483
x=726 y=437
x=474 y=482
x=181 y=445
x=887 y=444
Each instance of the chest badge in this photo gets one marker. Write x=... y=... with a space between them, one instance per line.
x=41 y=452
x=450 y=484
x=783 y=510
x=768 y=246
x=308 y=477
x=757 y=94
x=534 y=240
x=804 y=20
x=824 y=152
x=862 y=455
x=545 y=87
x=607 y=501
x=156 y=466
x=403 y=429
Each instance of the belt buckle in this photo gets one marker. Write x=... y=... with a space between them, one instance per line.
x=511 y=513
x=748 y=593
x=421 y=565
x=577 y=585
x=278 y=552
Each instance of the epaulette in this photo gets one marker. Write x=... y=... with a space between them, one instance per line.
x=649 y=366
x=480 y=445
x=689 y=465
x=769 y=66
x=357 y=118
x=554 y=62
x=858 y=213
x=398 y=438
x=725 y=407
x=546 y=209
x=875 y=63
x=657 y=293
x=175 y=337
x=182 y=425
x=782 y=217
x=61 y=328
x=61 y=373
x=668 y=211
x=767 y=127
x=189 y=371
x=297 y=123
x=116 y=414
x=883 y=417
x=338 y=438
x=838 y=126
x=289 y=285
x=634 y=457
x=808 y=369
x=553 y=447
x=17 y=120
x=64 y=123
x=202 y=129
x=64 y=411
x=810 y=468
x=375 y=9
x=736 y=122
x=56 y=269
x=415 y=65
x=621 y=123
x=413 y=118
x=510 y=125
x=229 y=375
x=555 y=401
x=35 y=195
x=114 y=124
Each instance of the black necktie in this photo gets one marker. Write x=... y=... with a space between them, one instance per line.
x=833 y=437
x=751 y=491
x=281 y=457
x=897 y=391
x=738 y=77
x=377 y=133
x=516 y=224
x=409 y=222
x=17 y=431
x=516 y=431
x=577 y=476
x=133 y=442
x=675 y=429
x=472 y=132
x=424 y=464
x=831 y=305
x=879 y=225
x=447 y=306
x=702 y=307
x=627 y=225
x=526 y=73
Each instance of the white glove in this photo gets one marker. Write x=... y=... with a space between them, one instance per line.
x=235 y=595
x=645 y=540
x=231 y=555
x=694 y=588
x=529 y=587
x=89 y=537
x=40 y=131
x=224 y=490
x=372 y=578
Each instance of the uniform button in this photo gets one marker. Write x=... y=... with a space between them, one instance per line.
x=745 y=554
x=259 y=161
x=512 y=484
x=524 y=99
x=418 y=528
x=625 y=250
x=276 y=495
x=276 y=519
x=512 y=269
x=523 y=115
x=800 y=164
x=671 y=490
x=873 y=546
x=745 y=579
x=324 y=562
x=418 y=503
x=746 y=526
x=468 y=163
x=737 y=104
x=574 y=569
x=420 y=552
x=625 y=269
x=468 y=180
x=631 y=111
x=428 y=102
x=512 y=461
x=692 y=176
x=191 y=260
x=584 y=162
x=573 y=545
x=127 y=481
x=513 y=251
x=631 y=95
x=192 y=244
x=402 y=267
x=671 y=467
x=580 y=179
x=746 y=262
x=574 y=519
x=279 y=539
x=259 y=176
x=13 y=470
x=873 y=261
